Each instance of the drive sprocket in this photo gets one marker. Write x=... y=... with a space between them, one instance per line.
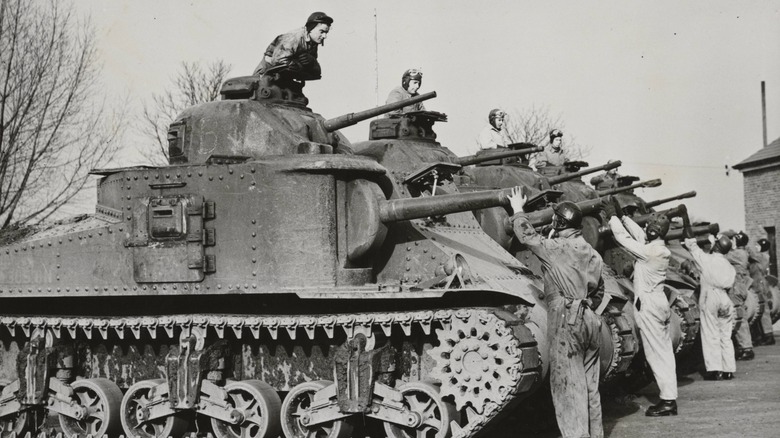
x=478 y=360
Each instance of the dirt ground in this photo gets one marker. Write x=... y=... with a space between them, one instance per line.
x=747 y=406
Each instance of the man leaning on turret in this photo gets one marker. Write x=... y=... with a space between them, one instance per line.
x=295 y=52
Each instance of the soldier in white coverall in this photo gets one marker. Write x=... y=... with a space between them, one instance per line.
x=653 y=313
x=573 y=282
x=717 y=310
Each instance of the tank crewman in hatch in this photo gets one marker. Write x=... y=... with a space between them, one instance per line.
x=653 y=313
x=553 y=154
x=573 y=286
x=738 y=257
x=493 y=135
x=607 y=180
x=411 y=81
x=717 y=310
x=296 y=51
x=758 y=267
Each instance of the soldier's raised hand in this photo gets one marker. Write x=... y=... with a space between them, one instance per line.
x=517 y=199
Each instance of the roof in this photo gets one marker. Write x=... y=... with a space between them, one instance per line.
x=764 y=156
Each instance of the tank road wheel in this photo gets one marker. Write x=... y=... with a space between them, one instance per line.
x=295 y=406
x=260 y=406
x=21 y=423
x=101 y=400
x=139 y=396
x=436 y=414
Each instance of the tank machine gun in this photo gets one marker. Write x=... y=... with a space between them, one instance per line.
x=258 y=250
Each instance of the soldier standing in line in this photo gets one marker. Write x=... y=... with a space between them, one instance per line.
x=493 y=135
x=553 y=154
x=295 y=53
x=738 y=258
x=759 y=268
x=573 y=281
x=411 y=81
x=653 y=313
x=717 y=310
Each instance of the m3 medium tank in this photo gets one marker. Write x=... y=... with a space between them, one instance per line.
x=267 y=282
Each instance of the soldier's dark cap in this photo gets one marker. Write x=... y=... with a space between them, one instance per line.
x=319 y=17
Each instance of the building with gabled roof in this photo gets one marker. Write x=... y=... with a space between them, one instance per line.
x=761 y=173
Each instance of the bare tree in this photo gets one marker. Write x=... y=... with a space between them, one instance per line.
x=54 y=127
x=533 y=125
x=192 y=85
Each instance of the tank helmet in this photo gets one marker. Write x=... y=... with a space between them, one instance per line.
x=722 y=244
x=555 y=133
x=413 y=74
x=495 y=114
x=566 y=215
x=763 y=245
x=741 y=239
x=317 y=18
x=657 y=226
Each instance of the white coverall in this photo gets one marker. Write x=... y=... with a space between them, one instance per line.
x=572 y=273
x=717 y=310
x=739 y=294
x=654 y=314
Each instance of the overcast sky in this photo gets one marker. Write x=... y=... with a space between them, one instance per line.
x=672 y=88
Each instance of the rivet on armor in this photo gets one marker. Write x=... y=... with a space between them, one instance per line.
x=157 y=177
x=211 y=178
x=254 y=260
x=408 y=258
x=252 y=170
x=135 y=178
x=408 y=269
x=200 y=173
x=189 y=173
x=408 y=248
x=254 y=273
x=254 y=234
x=230 y=171
x=144 y=288
x=425 y=250
x=153 y=288
x=120 y=228
x=242 y=176
x=433 y=257
x=254 y=221
x=254 y=247
x=416 y=243
x=146 y=176
x=220 y=177
x=219 y=286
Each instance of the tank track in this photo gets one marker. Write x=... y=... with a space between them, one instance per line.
x=525 y=371
x=624 y=340
x=689 y=323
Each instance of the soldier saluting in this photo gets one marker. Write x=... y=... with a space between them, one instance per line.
x=573 y=278
x=295 y=52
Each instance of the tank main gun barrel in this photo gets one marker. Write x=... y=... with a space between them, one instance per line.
x=697 y=231
x=649 y=183
x=353 y=118
x=690 y=194
x=396 y=210
x=679 y=211
x=481 y=158
x=569 y=176
x=543 y=217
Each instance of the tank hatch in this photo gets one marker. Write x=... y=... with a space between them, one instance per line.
x=416 y=125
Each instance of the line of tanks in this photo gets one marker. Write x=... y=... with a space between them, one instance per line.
x=275 y=279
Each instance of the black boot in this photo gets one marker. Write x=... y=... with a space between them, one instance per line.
x=713 y=375
x=728 y=376
x=746 y=354
x=769 y=340
x=662 y=409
